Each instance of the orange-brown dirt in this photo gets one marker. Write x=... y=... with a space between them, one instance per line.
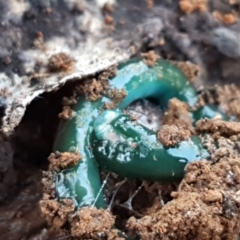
x=171 y=135
x=227 y=18
x=192 y=71
x=178 y=114
x=150 y=58
x=60 y=62
x=189 y=6
x=93 y=88
x=66 y=113
x=92 y=223
x=63 y=160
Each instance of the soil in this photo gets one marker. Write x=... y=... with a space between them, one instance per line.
x=192 y=34
x=59 y=161
x=61 y=62
x=171 y=135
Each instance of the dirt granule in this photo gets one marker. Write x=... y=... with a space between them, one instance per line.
x=67 y=113
x=117 y=95
x=227 y=18
x=178 y=114
x=229 y=97
x=39 y=40
x=108 y=19
x=171 y=135
x=57 y=212
x=226 y=96
x=94 y=88
x=150 y=4
x=108 y=8
x=108 y=105
x=4 y=92
x=48 y=180
x=189 y=6
x=93 y=223
x=191 y=70
x=59 y=161
x=60 y=62
x=218 y=127
x=223 y=174
x=150 y=58
x=232 y=2
x=7 y=60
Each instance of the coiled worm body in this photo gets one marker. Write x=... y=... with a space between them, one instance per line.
x=106 y=140
x=133 y=151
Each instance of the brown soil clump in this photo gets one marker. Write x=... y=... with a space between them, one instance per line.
x=108 y=8
x=229 y=97
x=60 y=62
x=94 y=88
x=39 y=41
x=228 y=18
x=150 y=4
x=218 y=127
x=188 y=216
x=48 y=185
x=63 y=160
x=67 y=113
x=109 y=19
x=191 y=70
x=232 y=2
x=189 y=6
x=4 y=92
x=109 y=105
x=93 y=223
x=117 y=95
x=178 y=114
x=171 y=135
x=7 y=60
x=150 y=58
x=57 y=212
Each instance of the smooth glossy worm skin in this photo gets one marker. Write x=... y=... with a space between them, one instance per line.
x=160 y=82
x=133 y=151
